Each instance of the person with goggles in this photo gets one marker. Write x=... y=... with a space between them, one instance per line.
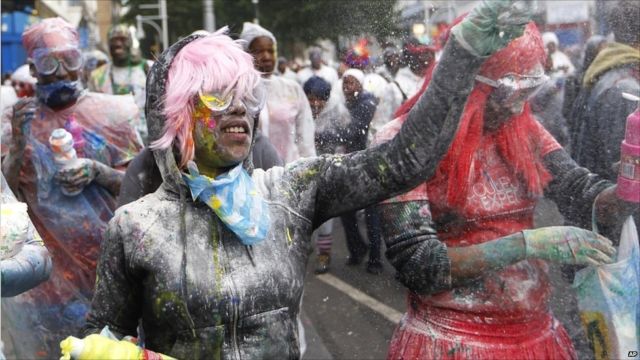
x=212 y=264
x=71 y=226
x=463 y=243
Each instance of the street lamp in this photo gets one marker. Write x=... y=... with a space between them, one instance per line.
x=255 y=11
x=150 y=20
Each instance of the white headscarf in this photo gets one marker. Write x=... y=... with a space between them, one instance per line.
x=250 y=31
x=23 y=74
x=357 y=74
x=550 y=37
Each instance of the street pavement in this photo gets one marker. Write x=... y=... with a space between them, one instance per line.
x=351 y=314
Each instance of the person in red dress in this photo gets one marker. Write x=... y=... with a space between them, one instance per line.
x=463 y=243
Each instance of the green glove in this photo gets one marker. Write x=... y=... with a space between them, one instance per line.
x=492 y=25
x=568 y=245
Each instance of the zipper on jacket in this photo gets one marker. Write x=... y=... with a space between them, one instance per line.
x=232 y=292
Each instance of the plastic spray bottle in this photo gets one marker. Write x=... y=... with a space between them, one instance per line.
x=629 y=174
x=61 y=143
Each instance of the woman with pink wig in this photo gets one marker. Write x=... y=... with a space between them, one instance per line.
x=477 y=272
x=212 y=264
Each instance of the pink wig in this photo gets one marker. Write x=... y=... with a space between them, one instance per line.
x=53 y=33
x=211 y=63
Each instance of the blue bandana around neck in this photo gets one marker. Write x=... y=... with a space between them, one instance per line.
x=234 y=198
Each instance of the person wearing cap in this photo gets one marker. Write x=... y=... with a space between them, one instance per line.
x=417 y=57
x=71 y=226
x=317 y=68
x=331 y=118
x=560 y=63
x=286 y=119
x=361 y=105
x=126 y=74
x=23 y=83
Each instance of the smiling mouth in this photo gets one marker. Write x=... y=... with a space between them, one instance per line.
x=235 y=130
x=235 y=127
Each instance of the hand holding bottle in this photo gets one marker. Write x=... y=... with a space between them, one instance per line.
x=77 y=174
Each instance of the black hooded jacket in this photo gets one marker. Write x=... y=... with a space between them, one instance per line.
x=201 y=293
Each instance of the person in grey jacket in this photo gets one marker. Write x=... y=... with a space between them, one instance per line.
x=214 y=268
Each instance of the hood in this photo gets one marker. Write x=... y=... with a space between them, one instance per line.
x=612 y=56
x=154 y=111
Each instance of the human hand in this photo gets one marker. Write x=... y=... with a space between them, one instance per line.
x=23 y=112
x=77 y=174
x=568 y=245
x=490 y=26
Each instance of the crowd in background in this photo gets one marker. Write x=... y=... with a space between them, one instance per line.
x=318 y=109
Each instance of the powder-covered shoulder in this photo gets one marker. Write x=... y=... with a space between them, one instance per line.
x=137 y=216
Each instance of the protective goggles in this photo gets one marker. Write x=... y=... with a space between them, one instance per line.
x=512 y=87
x=47 y=62
x=220 y=102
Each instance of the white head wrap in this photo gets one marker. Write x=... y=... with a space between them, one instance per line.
x=358 y=74
x=550 y=37
x=251 y=31
x=22 y=74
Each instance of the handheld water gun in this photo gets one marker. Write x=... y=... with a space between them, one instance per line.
x=102 y=347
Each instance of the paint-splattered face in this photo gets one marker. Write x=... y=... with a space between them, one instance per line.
x=505 y=102
x=222 y=139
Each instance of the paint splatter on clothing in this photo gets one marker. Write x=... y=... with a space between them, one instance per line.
x=202 y=294
x=71 y=226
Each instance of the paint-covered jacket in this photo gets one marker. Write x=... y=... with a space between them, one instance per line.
x=199 y=292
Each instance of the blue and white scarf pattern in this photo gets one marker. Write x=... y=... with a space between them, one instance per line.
x=235 y=199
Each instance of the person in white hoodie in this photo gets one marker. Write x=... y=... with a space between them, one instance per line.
x=286 y=117
x=561 y=64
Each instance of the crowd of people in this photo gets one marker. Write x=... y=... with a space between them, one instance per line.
x=178 y=201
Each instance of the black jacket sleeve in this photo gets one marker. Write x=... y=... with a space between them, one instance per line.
x=573 y=188
x=413 y=248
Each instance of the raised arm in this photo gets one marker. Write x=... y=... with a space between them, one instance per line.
x=364 y=178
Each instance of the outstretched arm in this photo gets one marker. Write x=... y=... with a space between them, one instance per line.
x=426 y=265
